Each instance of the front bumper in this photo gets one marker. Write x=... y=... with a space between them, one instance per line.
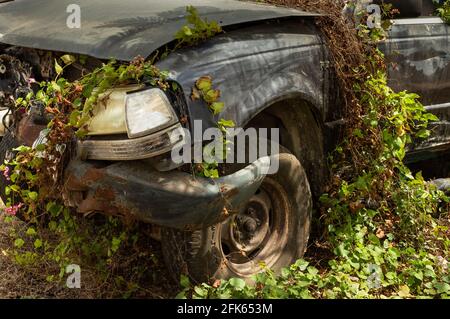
x=171 y=199
x=135 y=190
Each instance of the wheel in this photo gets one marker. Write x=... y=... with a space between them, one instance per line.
x=271 y=231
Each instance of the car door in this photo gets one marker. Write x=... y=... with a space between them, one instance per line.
x=418 y=53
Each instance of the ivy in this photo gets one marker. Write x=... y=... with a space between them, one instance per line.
x=35 y=172
x=204 y=90
x=197 y=30
x=386 y=231
x=380 y=226
x=443 y=10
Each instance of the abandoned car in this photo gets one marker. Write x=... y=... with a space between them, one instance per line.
x=272 y=67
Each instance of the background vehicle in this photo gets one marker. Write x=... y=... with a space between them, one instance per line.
x=273 y=70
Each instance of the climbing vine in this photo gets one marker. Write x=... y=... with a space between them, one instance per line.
x=443 y=10
x=197 y=30
x=35 y=172
x=384 y=231
x=204 y=90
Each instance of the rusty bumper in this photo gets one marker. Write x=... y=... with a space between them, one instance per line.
x=171 y=199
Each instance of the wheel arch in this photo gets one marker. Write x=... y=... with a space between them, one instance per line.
x=302 y=131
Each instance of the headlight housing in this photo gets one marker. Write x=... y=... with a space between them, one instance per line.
x=132 y=149
x=132 y=123
x=148 y=111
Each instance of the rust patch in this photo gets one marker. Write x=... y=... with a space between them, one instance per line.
x=82 y=181
x=104 y=201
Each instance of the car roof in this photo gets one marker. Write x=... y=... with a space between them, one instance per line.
x=116 y=28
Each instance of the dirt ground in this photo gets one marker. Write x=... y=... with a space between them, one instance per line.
x=17 y=281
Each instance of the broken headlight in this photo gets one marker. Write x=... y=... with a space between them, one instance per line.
x=148 y=111
x=133 y=123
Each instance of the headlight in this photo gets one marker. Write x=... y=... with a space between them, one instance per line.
x=109 y=113
x=145 y=115
x=148 y=111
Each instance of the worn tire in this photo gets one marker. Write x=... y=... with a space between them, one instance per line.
x=201 y=254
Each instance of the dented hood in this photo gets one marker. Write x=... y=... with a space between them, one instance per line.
x=119 y=29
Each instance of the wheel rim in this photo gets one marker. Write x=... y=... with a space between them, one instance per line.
x=254 y=238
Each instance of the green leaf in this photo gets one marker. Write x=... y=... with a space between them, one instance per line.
x=58 y=68
x=115 y=244
x=237 y=283
x=442 y=287
x=313 y=270
x=285 y=273
x=15 y=188
x=181 y=295
x=81 y=133
x=200 y=291
x=22 y=149
x=33 y=196
x=418 y=275
x=14 y=177
x=68 y=59
x=31 y=231
x=404 y=291
x=19 y=242
x=357 y=132
x=211 y=96
x=40 y=147
x=217 y=107
x=54 y=209
x=74 y=117
x=184 y=281
x=301 y=264
x=37 y=243
x=204 y=83
x=423 y=133
x=77 y=103
x=187 y=31
x=341 y=250
x=226 y=123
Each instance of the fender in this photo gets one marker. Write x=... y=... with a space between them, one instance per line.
x=254 y=66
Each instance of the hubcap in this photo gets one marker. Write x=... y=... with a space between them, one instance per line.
x=248 y=229
x=256 y=233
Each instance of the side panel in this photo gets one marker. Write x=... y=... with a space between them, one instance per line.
x=419 y=52
x=254 y=66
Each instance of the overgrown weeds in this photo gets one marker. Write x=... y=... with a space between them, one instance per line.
x=386 y=230
x=116 y=254
x=116 y=261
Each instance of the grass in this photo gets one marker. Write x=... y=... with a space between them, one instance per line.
x=150 y=281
